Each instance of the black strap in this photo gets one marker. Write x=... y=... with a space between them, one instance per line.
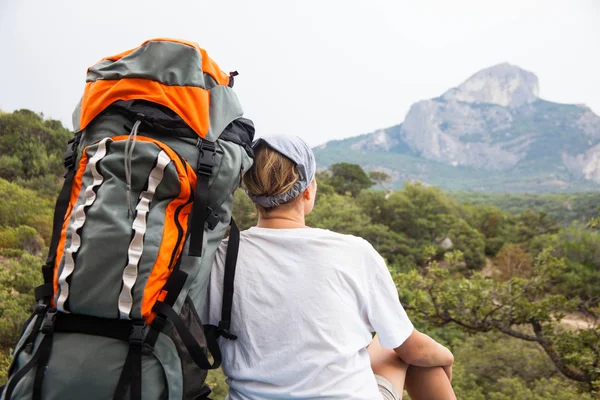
x=206 y=163
x=131 y=373
x=174 y=286
x=44 y=291
x=189 y=341
x=113 y=328
x=136 y=372
x=62 y=203
x=125 y=379
x=43 y=353
x=228 y=280
x=202 y=394
x=13 y=382
x=38 y=360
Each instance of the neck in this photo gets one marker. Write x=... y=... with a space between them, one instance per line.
x=280 y=219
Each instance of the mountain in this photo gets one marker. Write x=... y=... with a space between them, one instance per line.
x=491 y=133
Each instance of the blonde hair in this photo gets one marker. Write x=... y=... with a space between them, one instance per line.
x=272 y=174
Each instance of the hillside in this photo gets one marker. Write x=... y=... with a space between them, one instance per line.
x=438 y=249
x=492 y=133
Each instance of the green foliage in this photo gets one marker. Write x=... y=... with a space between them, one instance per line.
x=542 y=389
x=5 y=360
x=216 y=381
x=244 y=211
x=348 y=178
x=381 y=179
x=512 y=261
x=493 y=366
x=22 y=237
x=506 y=333
x=565 y=208
x=518 y=307
x=469 y=241
x=18 y=279
x=338 y=213
x=30 y=146
x=594 y=223
x=23 y=207
x=425 y=216
x=581 y=250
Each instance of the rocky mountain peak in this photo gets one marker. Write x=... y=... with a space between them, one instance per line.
x=503 y=84
x=492 y=132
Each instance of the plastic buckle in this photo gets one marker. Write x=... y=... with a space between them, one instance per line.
x=28 y=348
x=212 y=218
x=40 y=308
x=69 y=160
x=136 y=338
x=49 y=318
x=71 y=153
x=206 y=159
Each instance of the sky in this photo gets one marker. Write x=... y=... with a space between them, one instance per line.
x=318 y=69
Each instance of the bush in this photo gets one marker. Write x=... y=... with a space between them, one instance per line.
x=22 y=237
x=18 y=279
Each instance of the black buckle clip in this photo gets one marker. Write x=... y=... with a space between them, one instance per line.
x=40 y=308
x=231 y=76
x=71 y=153
x=49 y=318
x=206 y=159
x=136 y=338
x=225 y=332
x=212 y=218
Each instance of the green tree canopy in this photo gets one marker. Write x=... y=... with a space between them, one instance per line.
x=348 y=178
x=30 y=146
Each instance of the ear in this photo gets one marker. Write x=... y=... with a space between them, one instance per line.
x=306 y=194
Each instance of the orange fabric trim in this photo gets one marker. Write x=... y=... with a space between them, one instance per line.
x=162 y=268
x=75 y=190
x=190 y=103
x=208 y=65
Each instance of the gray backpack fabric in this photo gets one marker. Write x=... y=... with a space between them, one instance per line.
x=160 y=148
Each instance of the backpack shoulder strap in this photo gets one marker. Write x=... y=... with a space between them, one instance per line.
x=213 y=332
x=228 y=280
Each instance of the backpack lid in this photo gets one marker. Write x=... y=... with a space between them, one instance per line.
x=177 y=74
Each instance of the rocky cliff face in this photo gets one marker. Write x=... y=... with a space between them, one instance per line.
x=503 y=84
x=496 y=122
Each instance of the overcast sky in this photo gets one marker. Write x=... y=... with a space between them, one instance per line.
x=315 y=68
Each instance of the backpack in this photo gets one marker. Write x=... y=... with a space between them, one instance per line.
x=160 y=147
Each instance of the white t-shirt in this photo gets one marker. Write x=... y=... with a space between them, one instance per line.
x=305 y=304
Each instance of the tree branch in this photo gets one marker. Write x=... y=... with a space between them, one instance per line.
x=516 y=334
x=556 y=359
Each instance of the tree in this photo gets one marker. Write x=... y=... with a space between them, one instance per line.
x=30 y=146
x=521 y=308
x=18 y=279
x=348 y=178
x=512 y=261
x=382 y=179
x=499 y=367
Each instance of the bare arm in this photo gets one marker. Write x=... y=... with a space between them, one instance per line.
x=422 y=351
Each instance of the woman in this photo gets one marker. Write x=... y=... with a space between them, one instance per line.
x=306 y=301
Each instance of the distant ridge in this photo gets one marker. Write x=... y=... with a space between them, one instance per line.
x=490 y=133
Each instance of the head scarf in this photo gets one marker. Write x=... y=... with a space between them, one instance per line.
x=301 y=155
